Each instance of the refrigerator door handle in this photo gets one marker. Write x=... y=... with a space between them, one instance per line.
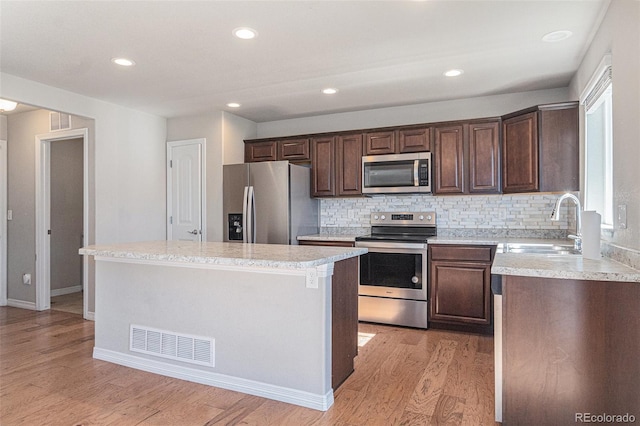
x=245 y=230
x=251 y=201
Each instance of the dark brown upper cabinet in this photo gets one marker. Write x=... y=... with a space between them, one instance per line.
x=260 y=151
x=349 y=164
x=467 y=157
x=484 y=157
x=540 y=149
x=323 y=163
x=449 y=160
x=397 y=141
x=294 y=150
x=376 y=143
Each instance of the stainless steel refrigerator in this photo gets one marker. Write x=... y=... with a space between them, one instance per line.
x=268 y=202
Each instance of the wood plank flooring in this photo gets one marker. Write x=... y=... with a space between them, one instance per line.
x=72 y=303
x=402 y=377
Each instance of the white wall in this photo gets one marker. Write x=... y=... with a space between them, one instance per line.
x=128 y=164
x=486 y=106
x=225 y=134
x=234 y=131
x=3 y=127
x=619 y=34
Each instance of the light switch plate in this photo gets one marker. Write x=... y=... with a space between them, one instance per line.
x=622 y=216
x=9 y=214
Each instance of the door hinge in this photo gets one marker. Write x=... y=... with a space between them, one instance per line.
x=170 y=220
x=48 y=231
x=170 y=164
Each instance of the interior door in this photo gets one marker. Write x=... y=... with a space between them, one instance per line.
x=185 y=190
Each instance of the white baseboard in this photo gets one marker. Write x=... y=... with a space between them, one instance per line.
x=91 y=316
x=66 y=290
x=251 y=387
x=21 y=304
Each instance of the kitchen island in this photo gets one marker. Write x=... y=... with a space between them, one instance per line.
x=275 y=321
x=567 y=339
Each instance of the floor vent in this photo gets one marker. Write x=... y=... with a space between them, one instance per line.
x=181 y=347
x=59 y=121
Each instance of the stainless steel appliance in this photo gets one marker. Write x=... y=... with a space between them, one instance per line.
x=393 y=279
x=268 y=202
x=397 y=173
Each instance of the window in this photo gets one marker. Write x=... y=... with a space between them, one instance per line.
x=598 y=191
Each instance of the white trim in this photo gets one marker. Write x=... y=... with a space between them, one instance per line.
x=203 y=184
x=89 y=316
x=14 y=303
x=251 y=387
x=595 y=77
x=66 y=290
x=3 y=223
x=43 y=207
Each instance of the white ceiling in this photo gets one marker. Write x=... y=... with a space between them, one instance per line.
x=377 y=53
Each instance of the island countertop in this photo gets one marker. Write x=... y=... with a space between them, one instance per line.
x=215 y=253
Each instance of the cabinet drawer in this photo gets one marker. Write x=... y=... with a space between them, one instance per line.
x=461 y=253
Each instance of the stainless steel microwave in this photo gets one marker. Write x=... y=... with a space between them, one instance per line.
x=397 y=173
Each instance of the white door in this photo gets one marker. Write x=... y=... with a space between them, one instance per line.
x=185 y=189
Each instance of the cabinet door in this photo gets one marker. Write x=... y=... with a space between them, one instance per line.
x=414 y=140
x=380 y=143
x=460 y=292
x=449 y=160
x=293 y=149
x=323 y=167
x=484 y=157
x=520 y=153
x=260 y=151
x=349 y=167
x=559 y=149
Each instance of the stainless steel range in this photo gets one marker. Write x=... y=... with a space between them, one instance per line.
x=393 y=274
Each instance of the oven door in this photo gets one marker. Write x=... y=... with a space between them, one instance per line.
x=394 y=270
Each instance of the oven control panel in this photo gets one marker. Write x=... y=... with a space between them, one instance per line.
x=404 y=218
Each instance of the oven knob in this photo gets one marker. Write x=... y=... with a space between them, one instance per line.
x=376 y=217
x=429 y=217
x=421 y=217
x=383 y=217
x=415 y=279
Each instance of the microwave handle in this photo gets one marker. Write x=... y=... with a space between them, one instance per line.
x=416 y=167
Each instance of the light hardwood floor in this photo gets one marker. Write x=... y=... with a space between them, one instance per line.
x=71 y=303
x=403 y=377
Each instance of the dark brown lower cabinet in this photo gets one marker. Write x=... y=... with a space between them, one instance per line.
x=460 y=287
x=570 y=347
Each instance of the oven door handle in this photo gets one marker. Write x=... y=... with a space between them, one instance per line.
x=391 y=246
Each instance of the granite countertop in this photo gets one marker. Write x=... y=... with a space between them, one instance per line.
x=250 y=255
x=570 y=267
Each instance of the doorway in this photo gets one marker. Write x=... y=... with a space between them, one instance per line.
x=66 y=237
x=186 y=190
x=61 y=217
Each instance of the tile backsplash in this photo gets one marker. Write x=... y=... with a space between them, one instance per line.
x=519 y=212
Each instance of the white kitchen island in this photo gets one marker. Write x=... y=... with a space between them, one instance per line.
x=269 y=320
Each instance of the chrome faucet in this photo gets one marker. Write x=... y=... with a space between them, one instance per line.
x=555 y=215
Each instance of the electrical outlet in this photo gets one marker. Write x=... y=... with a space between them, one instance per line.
x=622 y=216
x=26 y=279
x=502 y=214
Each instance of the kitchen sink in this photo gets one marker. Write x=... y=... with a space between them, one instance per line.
x=537 y=248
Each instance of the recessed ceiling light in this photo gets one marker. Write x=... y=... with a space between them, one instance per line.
x=453 y=73
x=123 y=62
x=6 y=105
x=245 y=33
x=329 y=91
x=233 y=105
x=557 y=36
